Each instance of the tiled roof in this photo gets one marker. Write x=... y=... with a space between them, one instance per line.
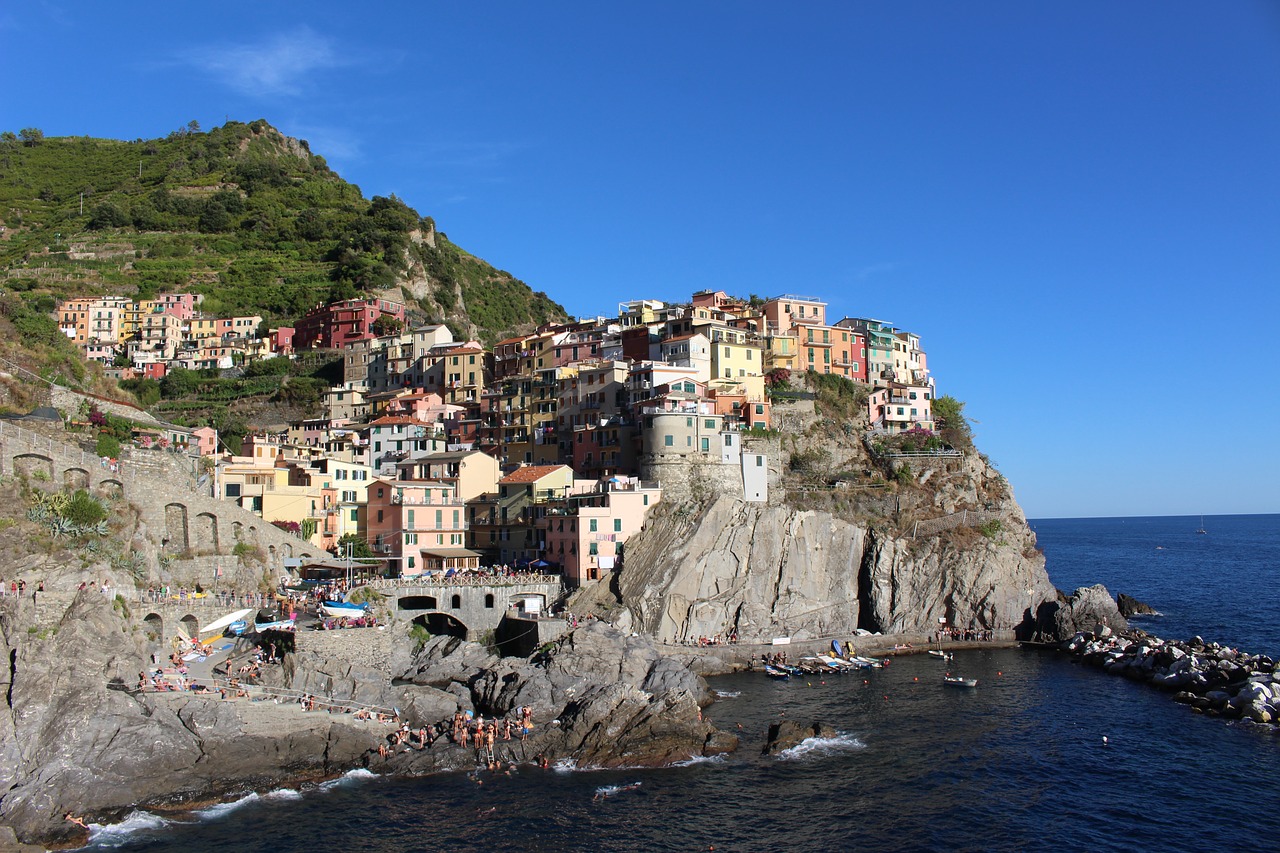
x=530 y=473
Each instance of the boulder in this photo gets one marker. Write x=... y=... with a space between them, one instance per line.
x=1130 y=606
x=788 y=733
x=1089 y=608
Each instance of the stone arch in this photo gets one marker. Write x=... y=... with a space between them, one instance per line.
x=443 y=623
x=32 y=465
x=109 y=489
x=253 y=532
x=418 y=602
x=237 y=531
x=455 y=601
x=206 y=532
x=287 y=549
x=154 y=624
x=271 y=555
x=190 y=625
x=175 y=525
x=75 y=478
x=488 y=600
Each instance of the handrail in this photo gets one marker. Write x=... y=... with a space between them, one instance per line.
x=280 y=692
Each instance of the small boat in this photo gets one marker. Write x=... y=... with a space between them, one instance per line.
x=773 y=672
x=938 y=653
x=344 y=610
x=1202 y=531
x=219 y=624
x=239 y=628
x=958 y=681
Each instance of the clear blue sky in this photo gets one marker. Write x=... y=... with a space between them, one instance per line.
x=1076 y=204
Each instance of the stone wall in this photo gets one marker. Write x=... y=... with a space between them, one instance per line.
x=69 y=400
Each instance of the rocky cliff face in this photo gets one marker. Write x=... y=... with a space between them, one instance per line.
x=763 y=571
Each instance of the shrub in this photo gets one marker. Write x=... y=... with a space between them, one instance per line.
x=84 y=510
x=108 y=445
x=991 y=529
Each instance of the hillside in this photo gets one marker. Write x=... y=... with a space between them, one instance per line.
x=242 y=214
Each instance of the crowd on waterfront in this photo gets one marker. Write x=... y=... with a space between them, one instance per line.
x=963 y=635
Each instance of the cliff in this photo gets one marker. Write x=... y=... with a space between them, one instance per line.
x=860 y=531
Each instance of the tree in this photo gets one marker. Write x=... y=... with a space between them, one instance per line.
x=386 y=325
x=948 y=414
x=215 y=217
x=31 y=136
x=108 y=215
x=360 y=549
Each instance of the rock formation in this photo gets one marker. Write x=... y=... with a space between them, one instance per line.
x=761 y=571
x=1089 y=608
x=1130 y=606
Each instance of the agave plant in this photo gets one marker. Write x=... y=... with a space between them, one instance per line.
x=39 y=512
x=62 y=527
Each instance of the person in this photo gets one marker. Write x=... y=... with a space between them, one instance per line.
x=76 y=820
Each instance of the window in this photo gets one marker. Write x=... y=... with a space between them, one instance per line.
x=411 y=564
x=688 y=441
x=759 y=461
x=439 y=518
x=455 y=602
x=759 y=408
x=410 y=520
x=688 y=422
x=706 y=445
x=379 y=515
x=709 y=423
x=355 y=515
x=455 y=519
x=669 y=440
x=646 y=500
x=233 y=490
x=488 y=598
x=593 y=525
x=593 y=548
x=617 y=525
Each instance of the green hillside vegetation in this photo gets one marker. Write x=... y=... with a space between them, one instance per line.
x=247 y=217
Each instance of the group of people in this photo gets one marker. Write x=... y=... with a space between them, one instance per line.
x=717 y=640
x=964 y=635
x=19 y=588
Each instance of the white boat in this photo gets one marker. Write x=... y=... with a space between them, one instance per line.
x=938 y=653
x=958 y=681
x=225 y=622
x=344 y=610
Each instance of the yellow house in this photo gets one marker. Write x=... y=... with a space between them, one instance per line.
x=781 y=352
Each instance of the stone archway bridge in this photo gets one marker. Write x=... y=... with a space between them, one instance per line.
x=467 y=607
x=190 y=524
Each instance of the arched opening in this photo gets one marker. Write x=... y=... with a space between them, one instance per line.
x=455 y=602
x=75 y=478
x=154 y=626
x=175 y=523
x=488 y=600
x=190 y=626
x=206 y=533
x=110 y=489
x=33 y=465
x=418 y=602
x=442 y=624
x=237 y=531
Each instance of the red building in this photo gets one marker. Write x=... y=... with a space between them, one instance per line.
x=343 y=323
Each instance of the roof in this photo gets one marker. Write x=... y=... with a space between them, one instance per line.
x=451 y=552
x=531 y=473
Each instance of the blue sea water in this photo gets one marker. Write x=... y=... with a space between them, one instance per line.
x=1017 y=764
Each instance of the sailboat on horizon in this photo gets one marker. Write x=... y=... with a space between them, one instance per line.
x=1202 y=531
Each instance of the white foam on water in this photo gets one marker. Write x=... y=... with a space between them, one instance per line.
x=700 y=759
x=610 y=790
x=565 y=765
x=821 y=747
x=224 y=809
x=349 y=778
x=728 y=694
x=283 y=794
x=118 y=834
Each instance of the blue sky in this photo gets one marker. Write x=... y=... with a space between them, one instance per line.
x=1076 y=205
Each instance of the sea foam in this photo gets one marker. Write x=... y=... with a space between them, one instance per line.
x=820 y=747
x=106 y=836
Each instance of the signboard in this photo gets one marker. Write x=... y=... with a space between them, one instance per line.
x=782 y=641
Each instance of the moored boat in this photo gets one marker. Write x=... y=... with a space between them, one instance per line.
x=959 y=681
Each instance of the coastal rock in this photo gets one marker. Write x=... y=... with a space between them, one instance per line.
x=1130 y=606
x=761 y=571
x=788 y=733
x=444 y=659
x=1089 y=609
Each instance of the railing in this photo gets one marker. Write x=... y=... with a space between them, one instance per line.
x=326 y=703
x=464 y=579
x=36 y=441
x=931 y=526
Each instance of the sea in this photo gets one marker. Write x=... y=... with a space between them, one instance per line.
x=1044 y=754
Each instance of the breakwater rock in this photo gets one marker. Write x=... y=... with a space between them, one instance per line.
x=1090 y=609
x=1211 y=678
x=788 y=733
x=1130 y=606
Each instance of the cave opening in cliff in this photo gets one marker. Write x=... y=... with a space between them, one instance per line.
x=442 y=624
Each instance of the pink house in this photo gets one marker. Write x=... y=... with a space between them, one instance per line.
x=205 y=440
x=586 y=532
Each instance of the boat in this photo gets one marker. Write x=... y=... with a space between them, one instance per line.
x=938 y=653
x=239 y=628
x=959 y=681
x=773 y=672
x=1202 y=531
x=344 y=609
x=221 y=623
